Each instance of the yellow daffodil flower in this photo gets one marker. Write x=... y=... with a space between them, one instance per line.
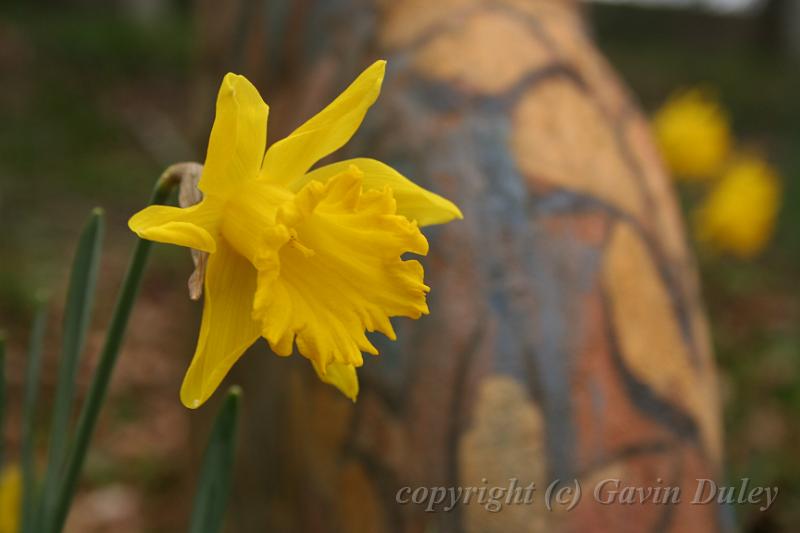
x=298 y=256
x=693 y=134
x=738 y=215
x=10 y=502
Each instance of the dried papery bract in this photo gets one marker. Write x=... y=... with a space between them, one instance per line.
x=189 y=194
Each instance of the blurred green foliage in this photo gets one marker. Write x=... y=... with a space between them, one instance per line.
x=73 y=82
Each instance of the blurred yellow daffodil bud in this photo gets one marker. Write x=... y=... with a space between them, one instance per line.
x=694 y=136
x=10 y=489
x=738 y=215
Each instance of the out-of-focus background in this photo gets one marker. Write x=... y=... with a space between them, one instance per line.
x=97 y=97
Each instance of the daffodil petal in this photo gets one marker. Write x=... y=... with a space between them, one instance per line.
x=413 y=202
x=194 y=227
x=340 y=375
x=238 y=138
x=341 y=273
x=694 y=135
x=227 y=328
x=327 y=131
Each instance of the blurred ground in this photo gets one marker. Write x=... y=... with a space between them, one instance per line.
x=95 y=101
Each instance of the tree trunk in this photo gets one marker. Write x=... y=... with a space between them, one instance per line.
x=566 y=339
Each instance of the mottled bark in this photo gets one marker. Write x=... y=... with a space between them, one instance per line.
x=566 y=337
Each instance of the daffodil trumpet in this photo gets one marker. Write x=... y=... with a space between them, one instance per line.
x=301 y=257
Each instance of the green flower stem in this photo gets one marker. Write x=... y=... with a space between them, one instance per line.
x=2 y=394
x=32 y=374
x=213 y=488
x=77 y=316
x=108 y=358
